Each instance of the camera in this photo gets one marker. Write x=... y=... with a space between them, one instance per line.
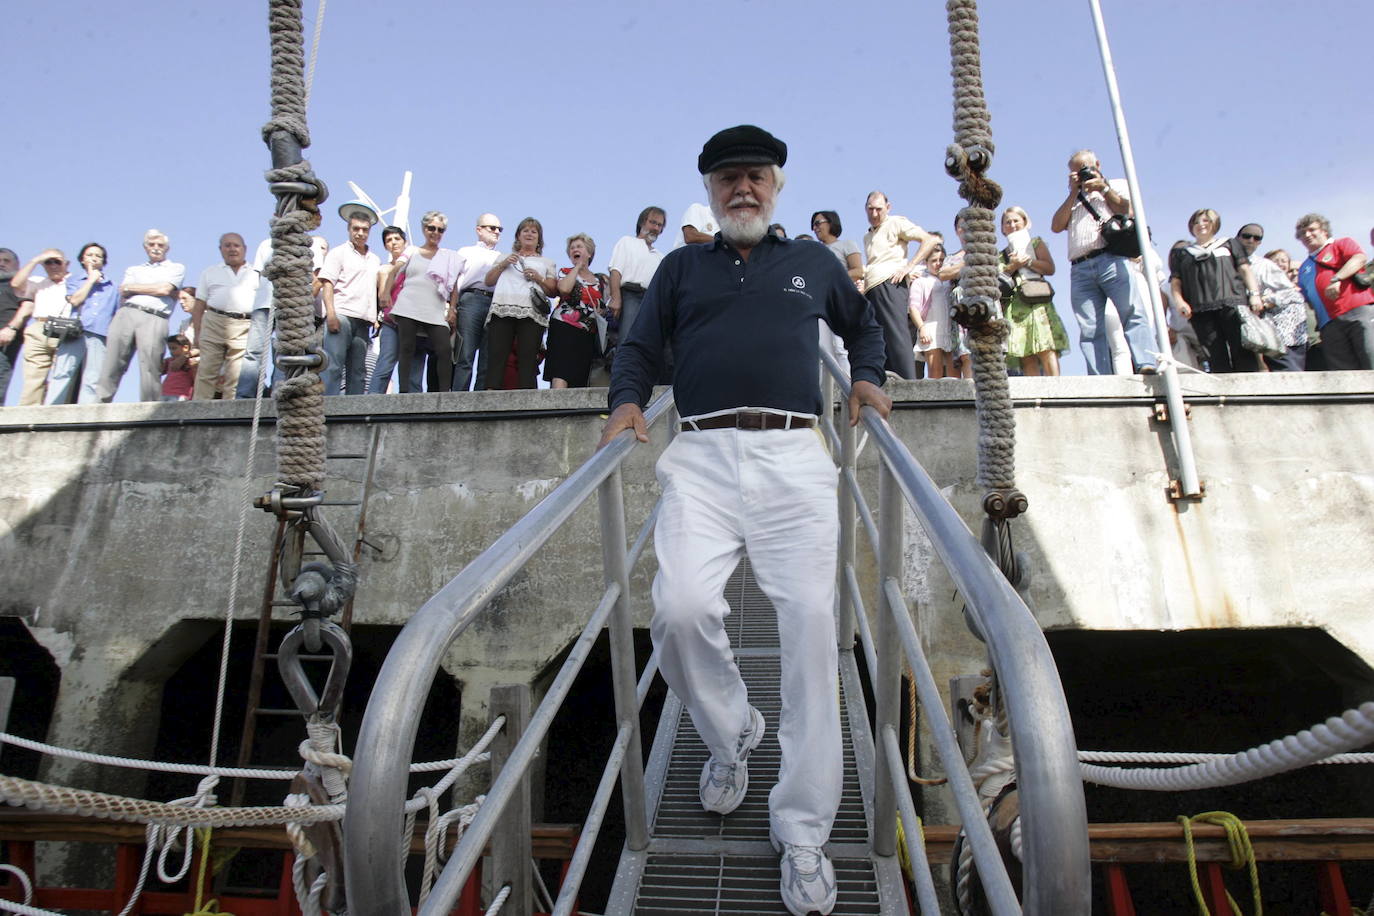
x=1086 y=174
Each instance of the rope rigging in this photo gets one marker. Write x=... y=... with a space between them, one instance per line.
x=978 y=306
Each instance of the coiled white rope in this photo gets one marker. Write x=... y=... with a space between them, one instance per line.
x=24 y=910
x=24 y=881
x=189 y=769
x=436 y=834
x=1190 y=757
x=499 y=902
x=1353 y=728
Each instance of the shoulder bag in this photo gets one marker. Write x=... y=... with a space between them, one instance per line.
x=1118 y=231
x=1034 y=290
x=62 y=328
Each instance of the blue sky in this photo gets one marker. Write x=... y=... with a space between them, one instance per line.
x=581 y=114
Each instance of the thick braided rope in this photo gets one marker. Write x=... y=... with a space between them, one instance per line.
x=973 y=134
x=65 y=800
x=300 y=397
x=300 y=403
x=287 y=32
x=991 y=393
x=972 y=124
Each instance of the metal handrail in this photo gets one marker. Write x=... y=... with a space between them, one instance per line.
x=1056 y=875
x=374 y=845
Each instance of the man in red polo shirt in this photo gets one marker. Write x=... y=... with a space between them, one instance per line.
x=1345 y=311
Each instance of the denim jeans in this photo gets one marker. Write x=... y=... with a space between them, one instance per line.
x=1092 y=283
x=472 y=326
x=347 y=351
x=95 y=362
x=386 y=360
x=65 y=375
x=259 y=333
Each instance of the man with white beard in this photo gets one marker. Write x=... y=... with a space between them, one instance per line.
x=749 y=475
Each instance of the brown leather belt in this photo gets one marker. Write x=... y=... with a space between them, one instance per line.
x=750 y=419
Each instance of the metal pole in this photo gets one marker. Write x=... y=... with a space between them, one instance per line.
x=612 y=505
x=848 y=533
x=1183 y=443
x=887 y=679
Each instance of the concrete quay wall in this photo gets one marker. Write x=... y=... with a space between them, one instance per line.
x=117 y=528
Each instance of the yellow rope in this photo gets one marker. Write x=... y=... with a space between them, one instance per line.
x=204 y=907
x=903 y=853
x=1242 y=856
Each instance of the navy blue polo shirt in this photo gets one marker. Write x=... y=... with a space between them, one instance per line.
x=744 y=333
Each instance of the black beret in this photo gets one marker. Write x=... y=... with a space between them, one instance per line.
x=742 y=145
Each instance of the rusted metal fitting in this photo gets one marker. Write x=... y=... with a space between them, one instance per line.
x=1005 y=504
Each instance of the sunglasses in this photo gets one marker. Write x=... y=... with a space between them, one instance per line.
x=496 y=229
x=1251 y=237
x=53 y=262
x=434 y=228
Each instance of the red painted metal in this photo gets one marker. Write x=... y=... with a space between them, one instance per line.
x=1331 y=890
x=1214 y=888
x=1119 y=902
x=128 y=860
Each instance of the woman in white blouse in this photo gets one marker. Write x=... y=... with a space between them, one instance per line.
x=421 y=306
x=523 y=281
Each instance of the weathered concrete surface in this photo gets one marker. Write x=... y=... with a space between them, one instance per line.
x=111 y=531
x=1286 y=464
x=117 y=522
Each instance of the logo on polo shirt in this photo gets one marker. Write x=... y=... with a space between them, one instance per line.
x=799 y=282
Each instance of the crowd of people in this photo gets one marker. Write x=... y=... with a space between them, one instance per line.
x=419 y=316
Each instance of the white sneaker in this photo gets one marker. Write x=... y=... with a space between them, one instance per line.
x=723 y=785
x=808 y=878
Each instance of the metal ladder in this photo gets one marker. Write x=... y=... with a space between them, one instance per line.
x=698 y=862
x=273 y=598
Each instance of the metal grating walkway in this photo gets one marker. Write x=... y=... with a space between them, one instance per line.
x=698 y=862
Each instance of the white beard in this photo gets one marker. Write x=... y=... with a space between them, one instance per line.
x=742 y=231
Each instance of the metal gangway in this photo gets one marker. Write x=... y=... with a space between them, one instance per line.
x=676 y=860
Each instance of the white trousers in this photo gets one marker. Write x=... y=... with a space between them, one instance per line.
x=770 y=494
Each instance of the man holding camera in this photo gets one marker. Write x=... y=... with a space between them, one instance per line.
x=43 y=354
x=1097 y=274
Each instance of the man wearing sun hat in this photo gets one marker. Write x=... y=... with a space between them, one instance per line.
x=749 y=475
x=348 y=287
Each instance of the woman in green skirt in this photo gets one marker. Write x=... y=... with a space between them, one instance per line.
x=1037 y=335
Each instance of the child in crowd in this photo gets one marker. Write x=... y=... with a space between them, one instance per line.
x=179 y=369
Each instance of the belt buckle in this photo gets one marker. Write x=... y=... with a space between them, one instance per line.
x=749 y=419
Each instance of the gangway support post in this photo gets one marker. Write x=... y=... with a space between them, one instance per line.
x=611 y=501
x=510 y=842
x=887 y=683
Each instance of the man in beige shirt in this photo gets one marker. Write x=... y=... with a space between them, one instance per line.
x=885 y=278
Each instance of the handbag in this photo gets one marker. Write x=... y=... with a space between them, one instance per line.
x=1036 y=290
x=1257 y=334
x=1118 y=231
x=539 y=300
x=62 y=328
